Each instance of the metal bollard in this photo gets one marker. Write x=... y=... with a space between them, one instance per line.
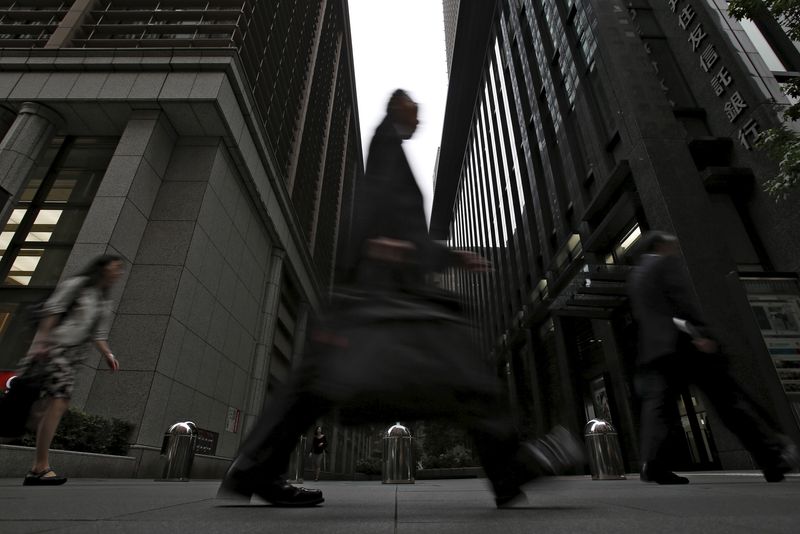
x=605 y=456
x=398 y=456
x=177 y=451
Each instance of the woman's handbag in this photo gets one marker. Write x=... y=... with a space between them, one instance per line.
x=16 y=405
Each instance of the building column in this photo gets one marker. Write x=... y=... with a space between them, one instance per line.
x=26 y=139
x=299 y=335
x=571 y=412
x=620 y=391
x=301 y=116
x=70 y=24
x=325 y=143
x=259 y=375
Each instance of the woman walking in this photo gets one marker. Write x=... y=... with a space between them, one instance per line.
x=319 y=444
x=78 y=311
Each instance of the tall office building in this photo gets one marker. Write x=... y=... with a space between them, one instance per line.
x=215 y=146
x=572 y=126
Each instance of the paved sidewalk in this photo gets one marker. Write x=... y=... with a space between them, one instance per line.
x=713 y=503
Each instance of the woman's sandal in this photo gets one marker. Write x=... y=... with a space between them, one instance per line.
x=41 y=479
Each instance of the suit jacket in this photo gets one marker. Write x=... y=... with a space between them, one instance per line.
x=659 y=290
x=390 y=204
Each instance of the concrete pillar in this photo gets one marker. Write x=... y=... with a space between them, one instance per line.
x=571 y=412
x=620 y=389
x=115 y=224
x=301 y=116
x=29 y=135
x=70 y=24
x=323 y=164
x=259 y=374
x=299 y=335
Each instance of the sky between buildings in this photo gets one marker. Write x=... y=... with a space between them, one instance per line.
x=400 y=44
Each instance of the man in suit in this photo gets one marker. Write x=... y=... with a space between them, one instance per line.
x=676 y=348
x=394 y=346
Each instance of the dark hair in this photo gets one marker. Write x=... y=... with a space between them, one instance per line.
x=395 y=100
x=654 y=239
x=94 y=270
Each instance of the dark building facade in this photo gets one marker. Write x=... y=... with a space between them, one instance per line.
x=215 y=146
x=573 y=126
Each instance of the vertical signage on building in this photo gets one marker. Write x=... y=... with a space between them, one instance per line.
x=720 y=78
x=232 y=420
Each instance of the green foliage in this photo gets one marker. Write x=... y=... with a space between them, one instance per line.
x=787 y=11
x=445 y=446
x=782 y=144
x=368 y=466
x=79 y=431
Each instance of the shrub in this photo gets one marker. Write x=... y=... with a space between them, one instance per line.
x=79 y=431
x=369 y=466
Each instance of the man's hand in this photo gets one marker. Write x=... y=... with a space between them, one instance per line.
x=706 y=345
x=390 y=250
x=473 y=262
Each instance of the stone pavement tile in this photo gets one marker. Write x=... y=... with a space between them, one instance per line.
x=84 y=499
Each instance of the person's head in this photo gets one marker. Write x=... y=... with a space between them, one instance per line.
x=104 y=271
x=318 y=430
x=403 y=112
x=660 y=243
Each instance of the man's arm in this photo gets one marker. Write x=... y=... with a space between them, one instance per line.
x=680 y=296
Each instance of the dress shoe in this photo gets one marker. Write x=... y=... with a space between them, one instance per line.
x=663 y=477
x=555 y=454
x=241 y=485
x=788 y=461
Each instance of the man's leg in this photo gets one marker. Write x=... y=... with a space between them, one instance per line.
x=658 y=416
x=264 y=455
x=742 y=416
x=510 y=463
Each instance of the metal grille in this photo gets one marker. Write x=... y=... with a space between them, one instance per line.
x=307 y=184
x=30 y=23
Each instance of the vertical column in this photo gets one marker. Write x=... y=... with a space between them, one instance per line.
x=571 y=412
x=260 y=371
x=71 y=23
x=323 y=164
x=300 y=333
x=619 y=389
x=115 y=224
x=30 y=133
x=301 y=116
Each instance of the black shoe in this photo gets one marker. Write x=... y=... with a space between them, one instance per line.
x=243 y=484
x=661 y=477
x=787 y=462
x=510 y=499
x=556 y=453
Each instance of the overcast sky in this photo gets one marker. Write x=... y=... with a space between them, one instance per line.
x=400 y=44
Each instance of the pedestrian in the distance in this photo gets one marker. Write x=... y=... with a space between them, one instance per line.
x=319 y=445
x=676 y=348
x=79 y=311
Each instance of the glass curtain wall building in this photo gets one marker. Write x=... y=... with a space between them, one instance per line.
x=573 y=126
x=215 y=146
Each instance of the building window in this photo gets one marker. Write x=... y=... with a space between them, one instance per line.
x=624 y=244
x=38 y=237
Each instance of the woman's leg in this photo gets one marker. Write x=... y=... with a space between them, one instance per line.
x=56 y=406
